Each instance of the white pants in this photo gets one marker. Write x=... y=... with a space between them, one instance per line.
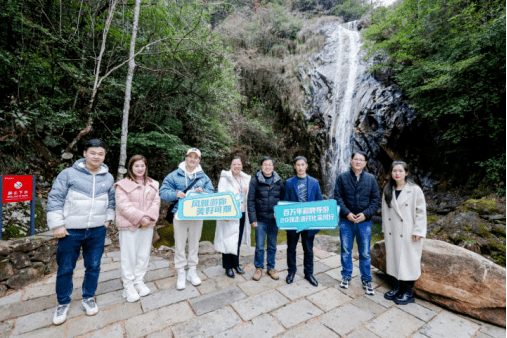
x=183 y=230
x=135 y=248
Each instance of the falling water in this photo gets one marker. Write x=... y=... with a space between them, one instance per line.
x=338 y=67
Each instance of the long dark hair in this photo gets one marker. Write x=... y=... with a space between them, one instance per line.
x=391 y=185
x=130 y=173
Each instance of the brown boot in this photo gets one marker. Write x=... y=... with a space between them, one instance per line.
x=273 y=274
x=258 y=274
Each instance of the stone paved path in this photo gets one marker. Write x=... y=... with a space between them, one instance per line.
x=239 y=307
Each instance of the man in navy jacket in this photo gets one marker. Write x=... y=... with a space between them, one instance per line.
x=301 y=188
x=356 y=192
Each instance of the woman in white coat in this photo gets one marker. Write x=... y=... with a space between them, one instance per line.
x=404 y=226
x=230 y=233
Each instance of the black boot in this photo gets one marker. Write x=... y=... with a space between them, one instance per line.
x=390 y=295
x=407 y=296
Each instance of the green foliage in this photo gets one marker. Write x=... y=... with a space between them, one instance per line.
x=350 y=10
x=449 y=57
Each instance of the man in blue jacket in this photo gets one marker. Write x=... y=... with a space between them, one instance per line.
x=356 y=192
x=80 y=208
x=301 y=188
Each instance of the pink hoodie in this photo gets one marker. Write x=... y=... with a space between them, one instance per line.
x=135 y=202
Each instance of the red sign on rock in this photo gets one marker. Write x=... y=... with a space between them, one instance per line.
x=17 y=188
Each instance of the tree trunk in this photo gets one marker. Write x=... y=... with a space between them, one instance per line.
x=67 y=154
x=128 y=89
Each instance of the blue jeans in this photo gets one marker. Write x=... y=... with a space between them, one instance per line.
x=271 y=231
x=69 y=247
x=362 y=232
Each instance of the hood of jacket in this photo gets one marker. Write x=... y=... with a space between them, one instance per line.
x=80 y=166
x=129 y=185
x=183 y=165
x=261 y=179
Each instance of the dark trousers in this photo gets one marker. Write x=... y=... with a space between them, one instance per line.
x=230 y=261
x=307 y=242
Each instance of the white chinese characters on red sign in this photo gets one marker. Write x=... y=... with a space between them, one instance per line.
x=17 y=188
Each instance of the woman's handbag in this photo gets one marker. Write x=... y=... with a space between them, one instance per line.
x=169 y=217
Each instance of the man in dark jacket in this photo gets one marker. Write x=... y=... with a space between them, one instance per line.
x=301 y=188
x=356 y=192
x=266 y=189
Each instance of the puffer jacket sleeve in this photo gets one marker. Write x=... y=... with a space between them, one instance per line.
x=208 y=186
x=338 y=196
x=153 y=211
x=56 y=200
x=168 y=190
x=374 y=198
x=110 y=213
x=420 y=218
x=127 y=209
x=252 y=189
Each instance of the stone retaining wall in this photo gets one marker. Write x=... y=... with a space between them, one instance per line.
x=24 y=259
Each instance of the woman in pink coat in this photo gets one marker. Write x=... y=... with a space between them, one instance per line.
x=137 y=209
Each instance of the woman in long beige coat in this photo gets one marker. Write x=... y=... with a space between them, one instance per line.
x=403 y=224
x=230 y=233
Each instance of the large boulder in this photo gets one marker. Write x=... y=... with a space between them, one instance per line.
x=458 y=279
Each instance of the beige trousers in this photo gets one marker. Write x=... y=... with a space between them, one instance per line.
x=184 y=230
x=135 y=249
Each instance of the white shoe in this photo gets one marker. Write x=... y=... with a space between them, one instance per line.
x=180 y=284
x=192 y=276
x=90 y=306
x=142 y=289
x=130 y=294
x=60 y=314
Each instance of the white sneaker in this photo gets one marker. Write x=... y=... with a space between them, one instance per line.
x=180 y=284
x=90 y=306
x=60 y=314
x=130 y=294
x=192 y=276
x=142 y=289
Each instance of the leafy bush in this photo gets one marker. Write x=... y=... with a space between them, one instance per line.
x=350 y=10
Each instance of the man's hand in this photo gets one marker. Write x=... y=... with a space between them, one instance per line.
x=416 y=238
x=60 y=232
x=351 y=217
x=199 y=189
x=360 y=218
x=107 y=224
x=181 y=194
x=254 y=224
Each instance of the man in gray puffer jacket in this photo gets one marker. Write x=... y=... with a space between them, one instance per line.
x=80 y=208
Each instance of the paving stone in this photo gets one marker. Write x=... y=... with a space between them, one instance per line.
x=312 y=329
x=34 y=321
x=355 y=289
x=325 y=280
x=218 y=283
x=263 y=326
x=81 y=325
x=5 y=328
x=12 y=298
x=449 y=325
x=387 y=325
x=113 y=254
x=254 y=306
x=49 y=332
x=378 y=297
x=158 y=274
x=109 y=275
x=110 y=298
x=419 y=335
x=281 y=264
x=317 y=268
x=216 y=300
x=30 y=306
x=481 y=335
x=296 y=313
x=214 y=271
x=266 y=283
x=363 y=333
x=102 y=288
x=366 y=303
x=158 y=264
x=493 y=331
x=113 y=331
x=299 y=289
x=321 y=253
x=419 y=311
x=167 y=297
x=381 y=278
x=140 y=326
x=167 y=283
x=345 y=319
x=39 y=291
x=161 y=334
x=332 y=261
x=329 y=298
x=428 y=305
x=207 y=325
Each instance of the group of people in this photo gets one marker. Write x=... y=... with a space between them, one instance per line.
x=85 y=200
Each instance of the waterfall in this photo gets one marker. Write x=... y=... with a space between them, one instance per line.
x=339 y=67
